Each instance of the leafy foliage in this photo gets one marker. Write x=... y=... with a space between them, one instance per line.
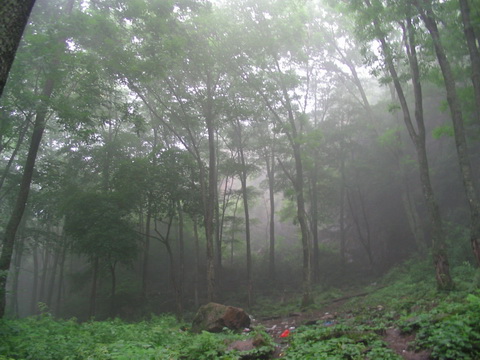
x=160 y=338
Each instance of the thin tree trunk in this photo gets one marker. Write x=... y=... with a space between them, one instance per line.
x=444 y=280
x=113 y=290
x=37 y=134
x=428 y=17
x=270 y=162
x=21 y=138
x=19 y=208
x=343 y=237
x=43 y=279
x=93 y=290
x=196 y=284
x=146 y=250
x=314 y=221
x=56 y=260
x=33 y=303
x=58 y=305
x=20 y=245
x=210 y=199
x=243 y=180
x=471 y=39
x=181 y=255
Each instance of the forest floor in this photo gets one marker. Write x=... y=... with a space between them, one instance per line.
x=328 y=315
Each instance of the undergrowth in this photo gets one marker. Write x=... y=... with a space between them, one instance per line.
x=446 y=324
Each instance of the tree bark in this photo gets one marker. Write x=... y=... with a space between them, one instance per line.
x=37 y=134
x=243 y=181
x=60 y=286
x=14 y=16
x=471 y=39
x=93 y=291
x=210 y=199
x=270 y=163
x=21 y=202
x=113 y=289
x=428 y=17
x=444 y=280
x=33 y=303
x=196 y=279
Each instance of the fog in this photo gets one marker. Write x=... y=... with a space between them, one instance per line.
x=231 y=151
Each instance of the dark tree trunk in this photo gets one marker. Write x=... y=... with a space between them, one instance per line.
x=56 y=261
x=243 y=181
x=14 y=16
x=20 y=246
x=444 y=280
x=19 y=208
x=43 y=278
x=196 y=279
x=93 y=292
x=33 y=303
x=181 y=255
x=474 y=53
x=210 y=198
x=113 y=289
x=314 y=221
x=37 y=134
x=146 y=250
x=343 y=185
x=21 y=138
x=60 y=287
x=270 y=162
x=428 y=17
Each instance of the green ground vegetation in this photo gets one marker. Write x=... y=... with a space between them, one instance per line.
x=444 y=323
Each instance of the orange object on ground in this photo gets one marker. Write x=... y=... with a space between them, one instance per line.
x=285 y=333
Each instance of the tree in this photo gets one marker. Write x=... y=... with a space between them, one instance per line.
x=14 y=16
x=38 y=130
x=97 y=223
x=374 y=13
x=428 y=16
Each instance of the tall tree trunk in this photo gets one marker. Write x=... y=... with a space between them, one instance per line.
x=243 y=181
x=53 y=274
x=471 y=39
x=428 y=17
x=181 y=255
x=43 y=278
x=113 y=289
x=343 y=235
x=37 y=134
x=444 y=280
x=196 y=272
x=60 y=286
x=314 y=220
x=33 y=300
x=58 y=249
x=365 y=241
x=93 y=291
x=18 y=145
x=19 y=208
x=14 y=16
x=146 y=249
x=270 y=162
x=19 y=247
x=210 y=199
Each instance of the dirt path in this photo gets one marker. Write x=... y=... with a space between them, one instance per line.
x=275 y=326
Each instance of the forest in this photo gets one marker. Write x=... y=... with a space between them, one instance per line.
x=281 y=156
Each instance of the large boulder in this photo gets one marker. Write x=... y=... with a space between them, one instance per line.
x=215 y=317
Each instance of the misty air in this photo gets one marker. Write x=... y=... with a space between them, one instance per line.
x=239 y=179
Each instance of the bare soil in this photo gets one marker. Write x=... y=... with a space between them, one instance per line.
x=276 y=325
